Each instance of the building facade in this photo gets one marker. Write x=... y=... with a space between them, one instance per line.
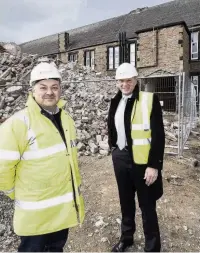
x=161 y=41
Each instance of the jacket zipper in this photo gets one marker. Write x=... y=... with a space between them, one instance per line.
x=73 y=187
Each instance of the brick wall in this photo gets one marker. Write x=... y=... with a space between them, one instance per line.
x=147 y=49
x=195 y=67
x=166 y=49
x=63 y=57
x=161 y=50
x=100 y=54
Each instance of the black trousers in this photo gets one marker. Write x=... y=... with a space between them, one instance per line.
x=129 y=182
x=52 y=242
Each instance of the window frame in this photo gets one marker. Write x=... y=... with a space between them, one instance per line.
x=197 y=52
x=132 y=43
x=73 y=54
x=91 y=64
x=114 y=66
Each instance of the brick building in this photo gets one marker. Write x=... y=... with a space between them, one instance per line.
x=161 y=41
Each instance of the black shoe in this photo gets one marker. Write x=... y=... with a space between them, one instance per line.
x=121 y=246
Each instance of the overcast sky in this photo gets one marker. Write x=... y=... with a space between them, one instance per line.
x=25 y=20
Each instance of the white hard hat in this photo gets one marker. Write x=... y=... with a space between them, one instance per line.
x=44 y=70
x=126 y=70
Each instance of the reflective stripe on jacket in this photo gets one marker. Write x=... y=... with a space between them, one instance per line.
x=141 y=132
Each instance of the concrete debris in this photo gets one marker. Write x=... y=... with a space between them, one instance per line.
x=12 y=48
x=175 y=180
x=171 y=131
x=103 y=152
x=100 y=222
x=8 y=238
x=195 y=133
x=2 y=229
x=93 y=148
x=118 y=221
x=81 y=146
x=98 y=138
x=87 y=95
x=166 y=123
x=104 y=145
x=190 y=232
x=104 y=239
x=190 y=162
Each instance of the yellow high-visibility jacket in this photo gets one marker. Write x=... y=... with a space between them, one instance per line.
x=140 y=129
x=39 y=172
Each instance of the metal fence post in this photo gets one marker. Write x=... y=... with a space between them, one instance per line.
x=199 y=105
x=182 y=113
x=179 y=114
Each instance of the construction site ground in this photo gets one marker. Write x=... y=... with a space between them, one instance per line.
x=178 y=209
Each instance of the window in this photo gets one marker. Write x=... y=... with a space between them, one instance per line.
x=194 y=45
x=195 y=81
x=132 y=54
x=113 y=57
x=72 y=57
x=89 y=59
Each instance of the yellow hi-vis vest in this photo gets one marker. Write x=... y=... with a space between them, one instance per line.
x=140 y=125
x=36 y=170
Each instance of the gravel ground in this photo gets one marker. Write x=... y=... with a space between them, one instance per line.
x=178 y=211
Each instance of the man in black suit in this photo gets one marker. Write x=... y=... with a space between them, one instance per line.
x=136 y=138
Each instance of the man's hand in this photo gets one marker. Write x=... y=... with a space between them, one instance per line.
x=150 y=176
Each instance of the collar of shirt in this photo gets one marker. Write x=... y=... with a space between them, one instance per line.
x=52 y=113
x=126 y=96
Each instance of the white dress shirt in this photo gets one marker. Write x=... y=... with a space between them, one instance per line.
x=119 y=122
x=52 y=113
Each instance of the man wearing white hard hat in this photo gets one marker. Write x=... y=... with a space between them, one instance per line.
x=136 y=138
x=39 y=168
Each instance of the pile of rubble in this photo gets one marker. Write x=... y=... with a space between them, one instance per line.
x=87 y=94
x=171 y=127
x=11 y=48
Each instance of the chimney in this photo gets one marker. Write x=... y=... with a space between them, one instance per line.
x=63 y=41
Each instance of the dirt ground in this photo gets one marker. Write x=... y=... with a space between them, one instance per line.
x=178 y=209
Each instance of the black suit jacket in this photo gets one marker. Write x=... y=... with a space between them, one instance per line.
x=156 y=153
